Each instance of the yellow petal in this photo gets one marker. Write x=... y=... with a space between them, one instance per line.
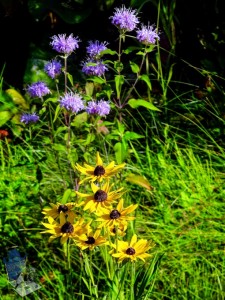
x=98 y=160
x=133 y=240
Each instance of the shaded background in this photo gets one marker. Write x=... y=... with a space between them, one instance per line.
x=27 y=25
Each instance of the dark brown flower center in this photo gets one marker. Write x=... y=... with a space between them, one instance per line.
x=99 y=171
x=130 y=251
x=67 y=228
x=90 y=240
x=62 y=208
x=114 y=214
x=100 y=196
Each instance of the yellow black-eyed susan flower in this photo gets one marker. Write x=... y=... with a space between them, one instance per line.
x=64 y=229
x=99 y=171
x=55 y=210
x=132 y=250
x=100 y=198
x=90 y=240
x=115 y=217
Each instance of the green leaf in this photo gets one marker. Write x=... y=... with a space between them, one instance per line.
x=70 y=77
x=90 y=138
x=79 y=120
x=66 y=196
x=130 y=49
x=139 y=180
x=57 y=111
x=97 y=79
x=17 y=98
x=89 y=88
x=134 y=67
x=4 y=117
x=108 y=51
x=130 y=135
x=118 y=66
x=135 y=103
x=120 y=152
x=119 y=81
x=59 y=147
x=146 y=79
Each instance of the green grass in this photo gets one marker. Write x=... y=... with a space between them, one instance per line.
x=183 y=213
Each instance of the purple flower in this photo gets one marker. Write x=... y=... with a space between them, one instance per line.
x=125 y=18
x=100 y=108
x=63 y=44
x=94 y=68
x=38 y=89
x=29 y=118
x=94 y=49
x=53 y=68
x=72 y=102
x=147 y=35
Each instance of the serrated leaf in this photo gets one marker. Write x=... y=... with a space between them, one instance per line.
x=17 y=98
x=108 y=51
x=135 y=103
x=97 y=79
x=70 y=77
x=57 y=111
x=139 y=180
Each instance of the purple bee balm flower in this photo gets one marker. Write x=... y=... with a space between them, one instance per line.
x=94 y=68
x=94 y=49
x=38 y=89
x=64 y=44
x=72 y=102
x=100 y=108
x=147 y=35
x=125 y=18
x=53 y=68
x=103 y=108
x=29 y=118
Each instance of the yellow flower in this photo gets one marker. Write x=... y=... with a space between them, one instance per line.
x=132 y=250
x=90 y=240
x=56 y=209
x=118 y=230
x=64 y=229
x=99 y=171
x=101 y=197
x=115 y=217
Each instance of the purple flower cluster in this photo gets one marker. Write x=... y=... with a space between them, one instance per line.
x=95 y=48
x=29 y=118
x=38 y=89
x=147 y=35
x=125 y=18
x=53 y=68
x=93 y=66
x=64 y=44
x=100 y=108
x=72 y=102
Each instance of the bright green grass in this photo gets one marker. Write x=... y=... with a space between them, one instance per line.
x=183 y=214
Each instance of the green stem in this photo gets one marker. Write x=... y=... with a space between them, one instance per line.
x=132 y=297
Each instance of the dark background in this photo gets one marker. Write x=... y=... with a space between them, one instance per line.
x=199 y=25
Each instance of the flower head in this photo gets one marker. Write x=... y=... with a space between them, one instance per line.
x=66 y=228
x=100 y=108
x=72 y=102
x=147 y=35
x=125 y=18
x=94 y=68
x=100 y=198
x=29 y=118
x=56 y=209
x=53 y=68
x=98 y=172
x=115 y=217
x=90 y=240
x=64 y=44
x=38 y=89
x=132 y=250
x=95 y=48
